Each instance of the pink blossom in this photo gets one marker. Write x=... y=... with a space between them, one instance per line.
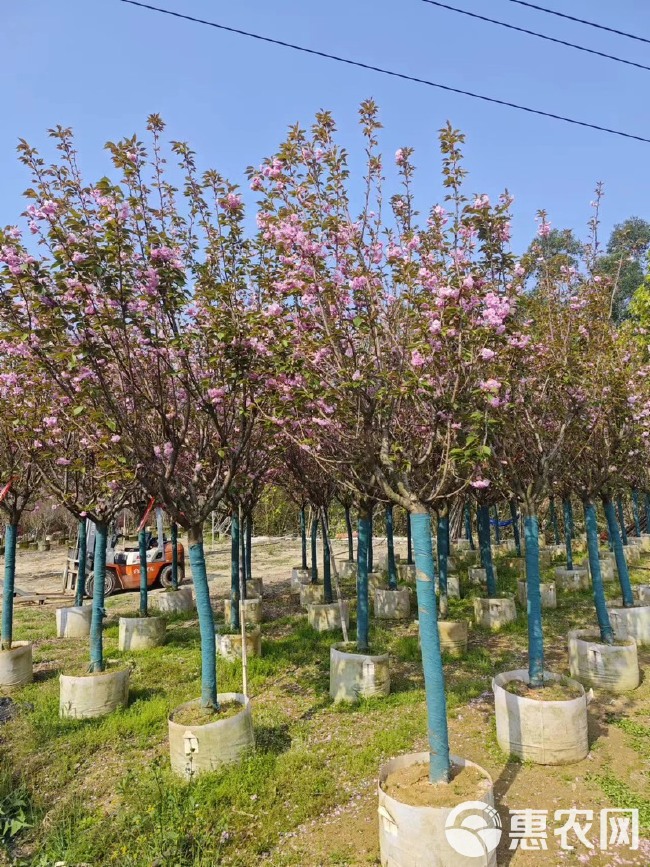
x=399 y=157
x=417 y=359
x=49 y=208
x=491 y=385
x=480 y=483
x=162 y=254
x=487 y=354
x=216 y=395
x=232 y=202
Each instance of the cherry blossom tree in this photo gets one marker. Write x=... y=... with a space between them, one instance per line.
x=542 y=361
x=150 y=312
x=612 y=407
x=20 y=479
x=391 y=321
x=253 y=475
x=315 y=486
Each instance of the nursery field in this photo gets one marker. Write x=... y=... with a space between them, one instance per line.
x=101 y=792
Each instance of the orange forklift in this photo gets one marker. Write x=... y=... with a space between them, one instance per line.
x=123 y=565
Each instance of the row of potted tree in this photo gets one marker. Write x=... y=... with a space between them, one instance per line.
x=153 y=346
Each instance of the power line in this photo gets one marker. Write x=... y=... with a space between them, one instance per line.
x=401 y=75
x=538 y=35
x=581 y=21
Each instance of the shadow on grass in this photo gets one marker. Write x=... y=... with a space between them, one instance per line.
x=318 y=706
x=187 y=636
x=50 y=673
x=144 y=693
x=273 y=738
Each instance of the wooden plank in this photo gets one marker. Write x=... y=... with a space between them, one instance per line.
x=41 y=598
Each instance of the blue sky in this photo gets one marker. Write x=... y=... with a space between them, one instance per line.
x=101 y=66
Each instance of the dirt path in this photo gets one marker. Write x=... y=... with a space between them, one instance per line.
x=42 y=572
x=349 y=836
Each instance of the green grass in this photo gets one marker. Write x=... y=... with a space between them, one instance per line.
x=101 y=791
x=622 y=796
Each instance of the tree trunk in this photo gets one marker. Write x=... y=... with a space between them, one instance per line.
x=409 y=541
x=571 y=521
x=443 y=554
x=327 y=573
x=98 y=613
x=174 y=556
x=497 y=529
x=242 y=554
x=249 y=547
x=621 y=521
x=390 y=549
x=80 y=588
x=434 y=678
x=314 y=550
x=142 y=550
x=234 y=571
x=647 y=513
x=568 y=520
x=370 y=550
x=486 y=549
x=554 y=524
x=515 y=526
x=348 y=527
x=635 y=512
x=363 y=622
x=619 y=553
x=303 y=537
x=11 y=537
x=468 y=527
x=535 y=632
x=206 y=618
x=591 y=526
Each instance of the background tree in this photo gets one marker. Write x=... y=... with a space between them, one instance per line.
x=623 y=263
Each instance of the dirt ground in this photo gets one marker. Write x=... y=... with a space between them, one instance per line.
x=42 y=572
x=348 y=834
